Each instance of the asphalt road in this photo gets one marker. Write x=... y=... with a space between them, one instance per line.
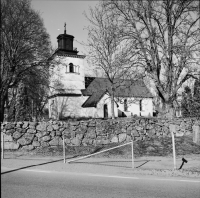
x=50 y=184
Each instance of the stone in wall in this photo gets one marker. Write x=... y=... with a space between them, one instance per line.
x=85 y=142
x=25 y=125
x=19 y=124
x=128 y=138
x=49 y=128
x=11 y=145
x=61 y=129
x=41 y=134
x=29 y=137
x=20 y=130
x=129 y=130
x=67 y=141
x=122 y=137
x=22 y=141
x=92 y=123
x=82 y=129
x=45 y=139
x=42 y=126
x=101 y=141
x=44 y=144
x=134 y=133
x=31 y=130
x=58 y=133
x=28 y=147
x=151 y=132
x=166 y=130
x=114 y=139
x=32 y=125
x=53 y=134
x=176 y=130
x=91 y=132
x=76 y=141
x=55 y=141
x=10 y=131
x=7 y=138
x=16 y=135
x=10 y=126
x=36 y=143
x=55 y=127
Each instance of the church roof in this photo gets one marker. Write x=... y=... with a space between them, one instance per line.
x=68 y=53
x=93 y=99
x=123 y=88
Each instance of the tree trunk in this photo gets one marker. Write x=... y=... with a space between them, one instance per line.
x=167 y=111
x=2 y=106
x=112 y=104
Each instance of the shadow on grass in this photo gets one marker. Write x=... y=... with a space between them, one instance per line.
x=25 y=167
x=106 y=163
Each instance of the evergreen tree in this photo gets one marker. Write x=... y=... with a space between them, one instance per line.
x=196 y=98
x=185 y=104
x=22 y=106
x=190 y=104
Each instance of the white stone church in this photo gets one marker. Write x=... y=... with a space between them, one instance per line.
x=74 y=95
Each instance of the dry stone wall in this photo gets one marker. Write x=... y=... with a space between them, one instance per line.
x=31 y=135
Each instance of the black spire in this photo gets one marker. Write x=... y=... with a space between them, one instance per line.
x=65 y=28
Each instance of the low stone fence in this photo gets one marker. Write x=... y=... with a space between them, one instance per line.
x=31 y=135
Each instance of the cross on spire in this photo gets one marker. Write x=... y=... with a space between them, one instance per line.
x=65 y=28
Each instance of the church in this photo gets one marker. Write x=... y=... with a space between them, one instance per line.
x=73 y=95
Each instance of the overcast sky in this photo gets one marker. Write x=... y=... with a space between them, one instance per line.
x=56 y=12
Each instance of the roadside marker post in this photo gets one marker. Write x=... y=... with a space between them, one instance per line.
x=2 y=145
x=64 y=149
x=132 y=155
x=174 y=151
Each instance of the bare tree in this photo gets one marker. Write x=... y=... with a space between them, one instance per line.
x=107 y=50
x=167 y=35
x=25 y=46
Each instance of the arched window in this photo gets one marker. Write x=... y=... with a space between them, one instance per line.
x=71 y=68
x=125 y=105
x=105 y=109
x=141 y=107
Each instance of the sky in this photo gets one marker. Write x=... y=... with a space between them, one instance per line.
x=56 y=12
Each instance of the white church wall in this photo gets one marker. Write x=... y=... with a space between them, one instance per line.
x=105 y=100
x=133 y=107
x=71 y=106
x=64 y=106
x=147 y=107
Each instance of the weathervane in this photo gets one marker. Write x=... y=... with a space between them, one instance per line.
x=65 y=28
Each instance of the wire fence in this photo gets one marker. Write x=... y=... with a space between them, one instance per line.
x=100 y=156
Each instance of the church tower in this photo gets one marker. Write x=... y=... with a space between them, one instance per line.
x=69 y=70
x=67 y=74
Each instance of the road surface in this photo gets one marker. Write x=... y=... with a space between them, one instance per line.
x=32 y=183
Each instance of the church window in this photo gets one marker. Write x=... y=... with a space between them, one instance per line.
x=141 y=107
x=125 y=105
x=71 y=68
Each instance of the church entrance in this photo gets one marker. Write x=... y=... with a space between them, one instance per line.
x=105 y=110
